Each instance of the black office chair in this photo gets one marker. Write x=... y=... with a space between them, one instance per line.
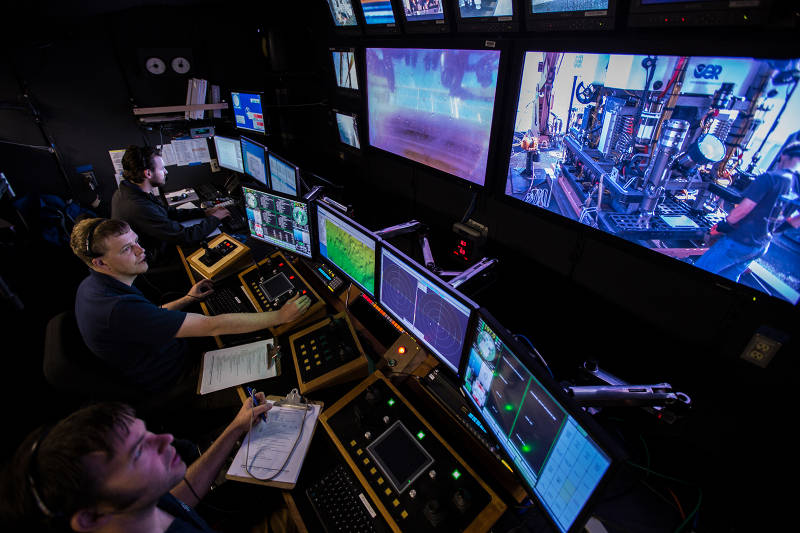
x=71 y=368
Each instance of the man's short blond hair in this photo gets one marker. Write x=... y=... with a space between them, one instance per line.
x=88 y=238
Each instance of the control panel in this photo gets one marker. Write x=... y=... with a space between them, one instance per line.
x=411 y=474
x=218 y=252
x=327 y=353
x=326 y=274
x=218 y=258
x=273 y=282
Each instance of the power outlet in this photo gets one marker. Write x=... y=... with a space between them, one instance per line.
x=760 y=350
x=214 y=166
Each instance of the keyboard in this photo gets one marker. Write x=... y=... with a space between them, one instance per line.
x=228 y=300
x=341 y=504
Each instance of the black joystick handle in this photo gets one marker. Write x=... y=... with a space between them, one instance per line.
x=434 y=513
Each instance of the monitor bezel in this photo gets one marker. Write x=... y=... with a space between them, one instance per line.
x=233 y=111
x=216 y=153
x=497 y=111
x=285 y=161
x=601 y=439
x=311 y=232
x=638 y=13
x=347 y=220
x=492 y=24
x=582 y=19
x=347 y=30
x=383 y=28
x=440 y=284
x=266 y=160
x=359 y=75
x=433 y=26
x=657 y=260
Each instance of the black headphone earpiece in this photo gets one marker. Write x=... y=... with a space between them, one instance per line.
x=89 y=235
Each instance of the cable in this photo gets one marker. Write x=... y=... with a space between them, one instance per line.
x=294 y=445
x=537 y=353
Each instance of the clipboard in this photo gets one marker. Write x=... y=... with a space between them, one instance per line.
x=273 y=359
x=302 y=449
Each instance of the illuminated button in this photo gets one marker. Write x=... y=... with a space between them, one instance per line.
x=386 y=419
x=366 y=460
x=404 y=514
x=359 y=451
x=432 y=474
x=456 y=474
x=308 y=367
x=367 y=435
x=380 y=481
x=373 y=471
x=304 y=291
x=352 y=443
x=319 y=363
x=303 y=346
x=305 y=360
x=401 y=350
x=304 y=352
x=420 y=435
x=395 y=502
x=390 y=402
x=387 y=491
x=412 y=494
x=313 y=341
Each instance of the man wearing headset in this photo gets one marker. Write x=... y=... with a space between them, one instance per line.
x=100 y=469
x=147 y=344
x=158 y=226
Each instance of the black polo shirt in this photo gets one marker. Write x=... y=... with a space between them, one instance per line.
x=157 y=225
x=132 y=334
x=186 y=519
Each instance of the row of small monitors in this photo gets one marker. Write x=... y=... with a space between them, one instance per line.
x=246 y=156
x=505 y=15
x=550 y=443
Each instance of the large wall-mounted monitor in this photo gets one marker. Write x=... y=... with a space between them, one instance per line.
x=284 y=176
x=487 y=16
x=229 y=153
x=657 y=150
x=344 y=16
x=247 y=111
x=379 y=16
x=344 y=69
x=278 y=220
x=427 y=16
x=677 y=13
x=431 y=311
x=347 y=126
x=433 y=106
x=350 y=247
x=254 y=160
x=566 y=15
x=556 y=451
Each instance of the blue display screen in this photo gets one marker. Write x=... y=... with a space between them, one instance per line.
x=348 y=132
x=425 y=309
x=247 y=111
x=554 y=454
x=283 y=176
x=254 y=158
x=377 y=11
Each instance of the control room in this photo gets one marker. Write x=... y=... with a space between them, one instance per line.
x=399 y=265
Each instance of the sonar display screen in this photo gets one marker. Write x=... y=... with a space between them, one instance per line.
x=428 y=311
x=351 y=250
x=553 y=453
x=433 y=106
x=278 y=221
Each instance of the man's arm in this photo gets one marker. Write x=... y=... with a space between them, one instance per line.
x=197 y=293
x=196 y=325
x=741 y=210
x=204 y=470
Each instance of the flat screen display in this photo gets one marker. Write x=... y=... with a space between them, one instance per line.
x=400 y=456
x=416 y=10
x=254 y=159
x=566 y=6
x=348 y=129
x=247 y=111
x=431 y=313
x=282 y=222
x=344 y=65
x=667 y=177
x=229 y=153
x=558 y=459
x=433 y=106
x=349 y=247
x=342 y=12
x=283 y=175
x=492 y=8
x=377 y=12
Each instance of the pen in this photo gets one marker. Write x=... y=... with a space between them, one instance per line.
x=252 y=392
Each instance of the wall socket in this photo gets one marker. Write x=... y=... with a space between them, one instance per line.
x=760 y=350
x=214 y=165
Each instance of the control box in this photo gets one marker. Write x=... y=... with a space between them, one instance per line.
x=223 y=255
x=411 y=474
x=270 y=284
x=327 y=353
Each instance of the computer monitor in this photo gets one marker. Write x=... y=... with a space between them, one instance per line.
x=667 y=175
x=486 y=16
x=426 y=16
x=350 y=247
x=678 y=13
x=278 y=220
x=379 y=16
x=344 y=68
x=434 y=313
x=254 y=159
x=284 y=176
x=546 y=15
x=433 y=106
x=347 y=125
x=247 y=112
x=229 y=153
x=556 y=450
x=343 y=14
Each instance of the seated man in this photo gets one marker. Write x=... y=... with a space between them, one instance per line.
x=158 y=226
x=147 y=343
x=100 y=469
